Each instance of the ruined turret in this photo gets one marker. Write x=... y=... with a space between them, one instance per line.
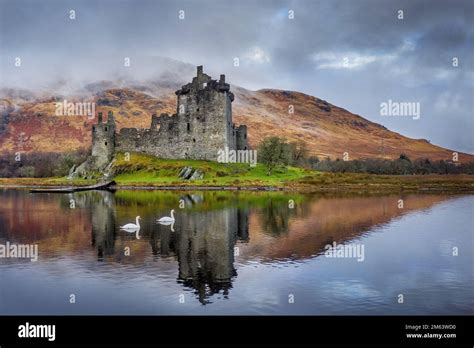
x=111 y=119
x=103 y=141
x=102 y=153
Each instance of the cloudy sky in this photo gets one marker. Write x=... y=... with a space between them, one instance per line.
x=355 y=54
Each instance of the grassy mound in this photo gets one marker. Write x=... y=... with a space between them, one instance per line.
x=143 y=169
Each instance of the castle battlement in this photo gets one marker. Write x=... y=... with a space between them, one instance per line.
x=203 y=82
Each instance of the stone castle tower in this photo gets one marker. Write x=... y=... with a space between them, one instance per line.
x=103 y=141
x=200 y=128
x=205 y=109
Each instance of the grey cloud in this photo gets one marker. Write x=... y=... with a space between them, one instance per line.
x=215 y=31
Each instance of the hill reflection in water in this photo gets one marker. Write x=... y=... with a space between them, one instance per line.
x=215 y=233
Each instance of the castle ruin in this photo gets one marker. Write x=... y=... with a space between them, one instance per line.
x=200 y=128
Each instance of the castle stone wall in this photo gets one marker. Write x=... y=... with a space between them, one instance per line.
x=200 y=128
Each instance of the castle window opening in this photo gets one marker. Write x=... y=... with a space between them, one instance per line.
x=105 y=143
x=189 y=127
x=106 y=129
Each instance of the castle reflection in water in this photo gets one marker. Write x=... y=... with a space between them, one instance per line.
x=276 y=248
x=202 y=242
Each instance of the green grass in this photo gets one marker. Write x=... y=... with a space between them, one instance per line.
x=145 y=170
x=148 y=170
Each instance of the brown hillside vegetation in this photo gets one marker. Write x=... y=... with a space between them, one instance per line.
x=31 y=125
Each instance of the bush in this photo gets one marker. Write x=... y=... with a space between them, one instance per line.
x=274 y=152
x=26 y=172
x=44 y=164
x=401 y=166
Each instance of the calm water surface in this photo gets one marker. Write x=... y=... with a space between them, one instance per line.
x=236 y=253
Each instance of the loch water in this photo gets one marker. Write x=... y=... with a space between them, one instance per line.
x=237 y=253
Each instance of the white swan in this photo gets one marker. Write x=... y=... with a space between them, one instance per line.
x=166 y=219
x=132 y=227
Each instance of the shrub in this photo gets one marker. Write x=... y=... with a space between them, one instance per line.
x=274 y=152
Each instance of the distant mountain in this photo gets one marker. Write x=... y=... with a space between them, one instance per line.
x=28 y=121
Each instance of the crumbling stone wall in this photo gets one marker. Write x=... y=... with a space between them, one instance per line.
x=241 y=138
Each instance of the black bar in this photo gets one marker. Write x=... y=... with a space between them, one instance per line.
x=219 y=330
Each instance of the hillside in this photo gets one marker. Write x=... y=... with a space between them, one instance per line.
x=28 y=122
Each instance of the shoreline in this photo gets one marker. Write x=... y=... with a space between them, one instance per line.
x=157 y=188
x=361 y=188
x=318 y=183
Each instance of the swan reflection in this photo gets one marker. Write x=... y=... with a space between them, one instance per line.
x=202 y=242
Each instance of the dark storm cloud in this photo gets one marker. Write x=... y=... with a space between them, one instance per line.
x=371 y=27
x=387 y=58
